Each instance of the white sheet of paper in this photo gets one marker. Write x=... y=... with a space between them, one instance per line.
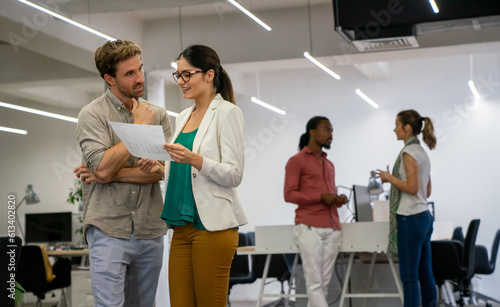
x=143 y=141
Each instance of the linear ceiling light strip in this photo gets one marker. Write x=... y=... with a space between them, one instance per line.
x=474 y=90
x=434 y=6
x=70 y=21
x=268 y=106
x=320 y=65
x=366 y=98
x=12 y=130
x=244 y=10
x=38 y=112
x=172 y=113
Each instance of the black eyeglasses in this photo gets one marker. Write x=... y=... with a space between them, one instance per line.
x=185 y=75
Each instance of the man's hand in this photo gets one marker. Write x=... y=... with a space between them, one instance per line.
x=342 y=200
x=332 y=199
x=85 y=175
x=143 y=115
x=148 y=166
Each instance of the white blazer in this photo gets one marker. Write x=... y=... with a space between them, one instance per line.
x=220 y=140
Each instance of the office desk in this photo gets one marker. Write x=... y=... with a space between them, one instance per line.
x=71 y=253
x=367 y=237
x=356 y=237
x=68 y=253
x=254 y=250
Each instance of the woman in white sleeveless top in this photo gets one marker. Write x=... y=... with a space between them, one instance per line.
x=411 y=222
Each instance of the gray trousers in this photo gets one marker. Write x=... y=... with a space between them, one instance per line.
x=124 y=272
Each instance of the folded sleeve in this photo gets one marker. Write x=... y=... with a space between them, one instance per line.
x=93 y=136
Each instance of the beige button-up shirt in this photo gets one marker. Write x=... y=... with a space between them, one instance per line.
x=118 y=207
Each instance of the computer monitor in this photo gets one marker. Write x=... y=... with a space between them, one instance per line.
x=362 y=204
x=54 y=227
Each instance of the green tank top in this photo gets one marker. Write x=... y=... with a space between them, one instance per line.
x=180 y=207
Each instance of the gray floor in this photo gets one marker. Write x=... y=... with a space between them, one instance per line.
x=234 y=304
x=244 y=304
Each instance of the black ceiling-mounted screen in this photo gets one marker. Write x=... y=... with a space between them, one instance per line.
x=378 y=16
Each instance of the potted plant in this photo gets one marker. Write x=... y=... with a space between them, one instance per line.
x=19 y=295
x=75 y=196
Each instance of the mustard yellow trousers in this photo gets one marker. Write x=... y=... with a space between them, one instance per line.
x=199 y=265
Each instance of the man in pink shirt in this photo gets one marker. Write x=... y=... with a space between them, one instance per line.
x=310 y=183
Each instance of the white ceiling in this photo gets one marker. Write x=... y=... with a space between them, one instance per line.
x=46 y=61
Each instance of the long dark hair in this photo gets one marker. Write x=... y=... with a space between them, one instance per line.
x=311 y=125
x=206 y=58
x=412 y=118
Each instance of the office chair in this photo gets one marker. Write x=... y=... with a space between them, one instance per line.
x=483 y=265
x=458 y=235
x=32 y=275
x=278 y=269
x=241 y=273
x=454 y=260
x=10 y=251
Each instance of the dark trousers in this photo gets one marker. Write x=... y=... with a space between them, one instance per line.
x=415 y=259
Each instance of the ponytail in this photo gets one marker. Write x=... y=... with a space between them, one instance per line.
x=304 y=140
x=225 y=86
x=412 y=118
x=428 y=133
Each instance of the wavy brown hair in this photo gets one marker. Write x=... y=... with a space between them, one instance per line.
x=113 y=52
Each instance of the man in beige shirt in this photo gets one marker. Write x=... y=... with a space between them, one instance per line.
x=122 y=205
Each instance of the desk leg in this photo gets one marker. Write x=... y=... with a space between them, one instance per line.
x=370 y=275
x=396 y=277
x=292 y=278
x=346 y=280
x=264 y=276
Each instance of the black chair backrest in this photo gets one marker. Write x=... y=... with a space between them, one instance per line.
x=240 y=265
x=469 y=247
x=494 y=251
x=458 y=234
x=31 y=274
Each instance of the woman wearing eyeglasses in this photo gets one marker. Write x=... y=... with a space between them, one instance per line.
x=201 y=202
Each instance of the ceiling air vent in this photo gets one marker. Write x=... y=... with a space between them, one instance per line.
x=373 y=25
x=390 y=43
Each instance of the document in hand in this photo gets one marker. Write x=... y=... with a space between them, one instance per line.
x=143 y=141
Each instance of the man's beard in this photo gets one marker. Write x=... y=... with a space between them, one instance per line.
x=132 y=93
x=327 y=144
